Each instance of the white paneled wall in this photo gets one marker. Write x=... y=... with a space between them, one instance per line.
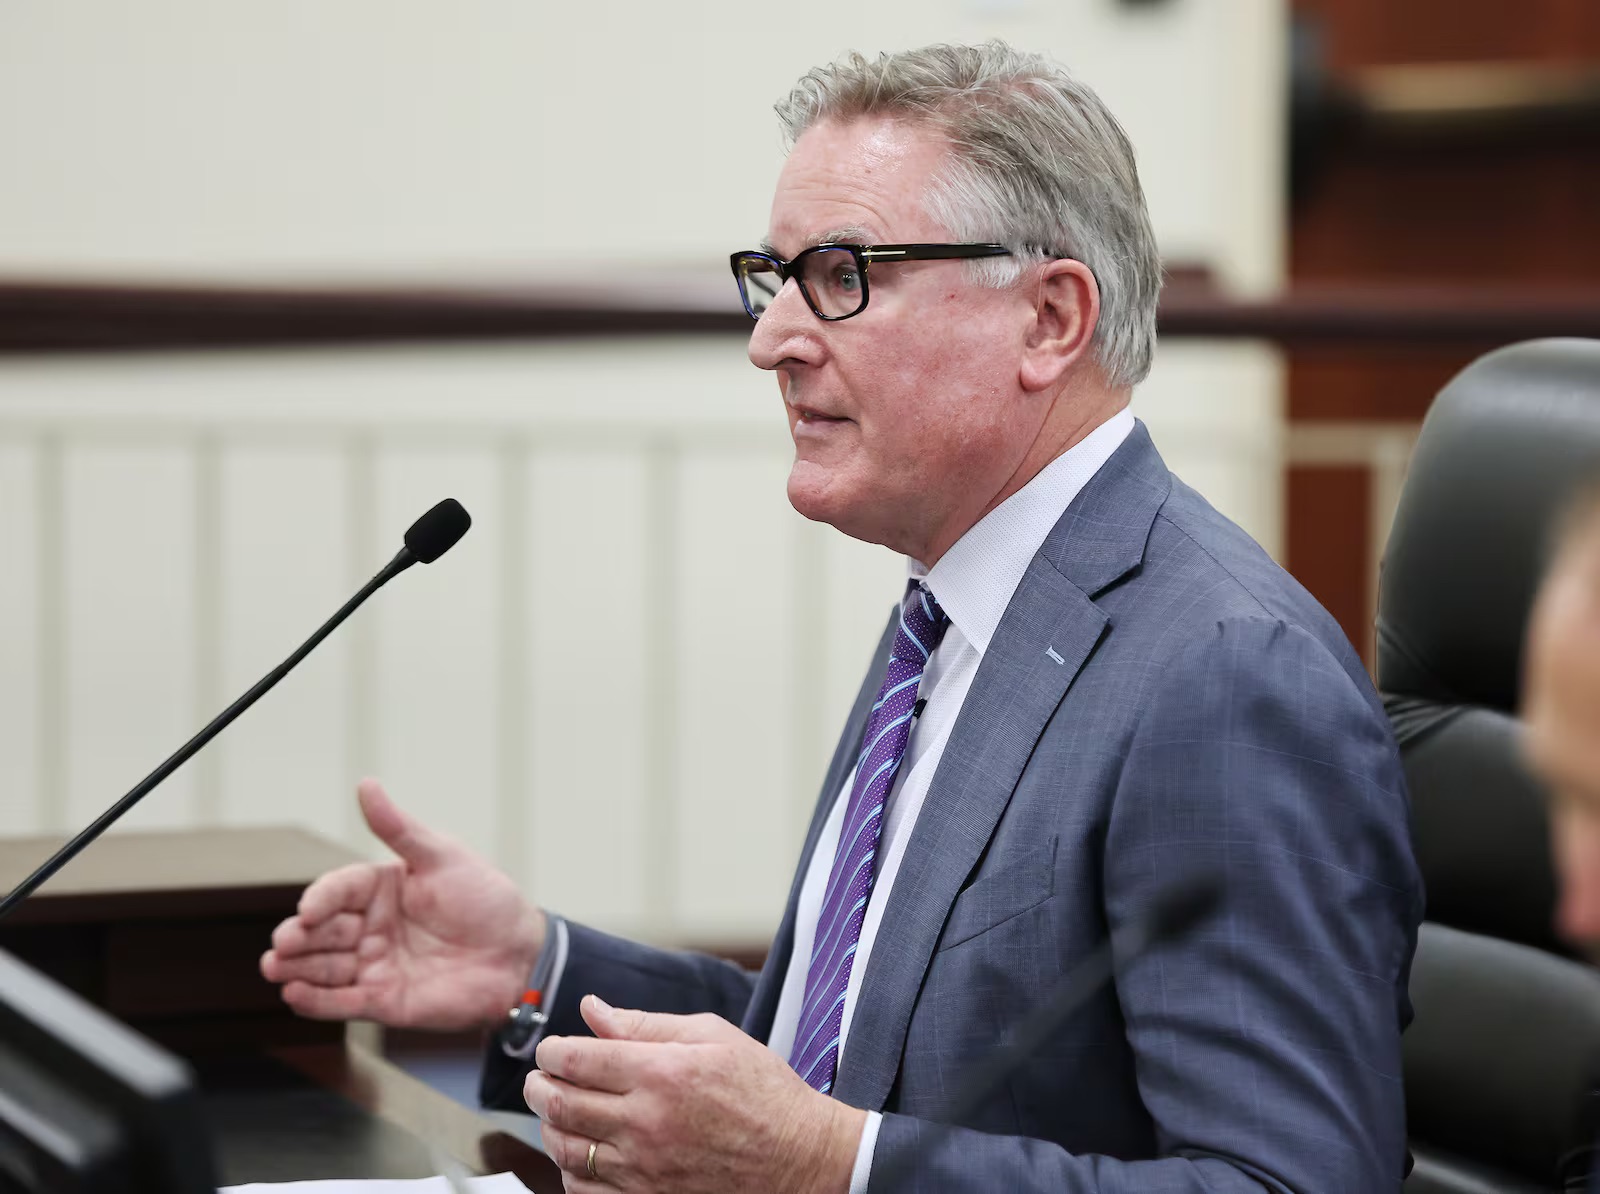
x=622 y=686
x=283 y=526
x=596 y=726
x=608 y=687
x=130 y=556
x=25 y=628
x=742 y=649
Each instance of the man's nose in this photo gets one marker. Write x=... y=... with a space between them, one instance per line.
x=785 y=330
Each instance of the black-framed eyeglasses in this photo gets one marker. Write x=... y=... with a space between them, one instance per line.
x=833 y=278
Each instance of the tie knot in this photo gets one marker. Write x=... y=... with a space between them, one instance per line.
x=922 y=620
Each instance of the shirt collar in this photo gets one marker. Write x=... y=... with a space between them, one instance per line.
x=975 y=579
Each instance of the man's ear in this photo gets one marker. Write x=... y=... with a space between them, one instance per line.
x=1066 y=310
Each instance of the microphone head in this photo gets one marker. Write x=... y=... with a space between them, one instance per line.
x=437 y=531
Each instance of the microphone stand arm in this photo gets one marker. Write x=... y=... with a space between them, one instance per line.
x=403 y=560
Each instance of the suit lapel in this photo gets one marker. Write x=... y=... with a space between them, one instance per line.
x=764 y=999
x=1048 y=632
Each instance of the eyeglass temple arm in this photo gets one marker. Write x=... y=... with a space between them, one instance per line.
x=933 y=252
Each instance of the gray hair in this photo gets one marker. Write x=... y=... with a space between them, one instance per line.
x=1037 y=164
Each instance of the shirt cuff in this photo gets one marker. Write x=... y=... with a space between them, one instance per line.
x=869 y=1142
x=547 y=993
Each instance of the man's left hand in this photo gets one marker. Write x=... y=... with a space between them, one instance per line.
x=685 y=1105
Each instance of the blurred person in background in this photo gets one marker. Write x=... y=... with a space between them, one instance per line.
x=1561 y=706
x=1095 y=687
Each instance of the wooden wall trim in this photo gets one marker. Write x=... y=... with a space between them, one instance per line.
x=53 y=317
x=71 y=317
x=1401 y=316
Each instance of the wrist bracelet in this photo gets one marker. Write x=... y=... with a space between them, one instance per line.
x=525 y=1022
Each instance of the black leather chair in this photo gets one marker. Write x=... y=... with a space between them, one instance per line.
x=1504 y=447
x=1499 y=1065
x=1506 y=1043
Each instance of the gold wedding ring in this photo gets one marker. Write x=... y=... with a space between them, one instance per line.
x=589 y=1164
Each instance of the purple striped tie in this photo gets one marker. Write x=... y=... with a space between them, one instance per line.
x=844 y=907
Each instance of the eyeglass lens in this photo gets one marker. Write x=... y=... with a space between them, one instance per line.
x=833 y=280
x=829 y=277
x=759 y=282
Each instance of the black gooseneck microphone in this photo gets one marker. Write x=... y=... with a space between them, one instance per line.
x=1174 y=912
x=435 y=533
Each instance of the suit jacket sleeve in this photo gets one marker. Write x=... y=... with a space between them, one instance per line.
x=1267 y=1040
x=624 y=974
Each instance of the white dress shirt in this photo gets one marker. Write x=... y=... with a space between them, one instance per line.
x=973 y=582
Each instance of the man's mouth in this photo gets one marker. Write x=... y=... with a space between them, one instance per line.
x=807 y=415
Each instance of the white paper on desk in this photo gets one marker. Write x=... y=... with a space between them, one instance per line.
x=495 y=1183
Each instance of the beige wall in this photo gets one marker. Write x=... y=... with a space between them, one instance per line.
x=381 y=137
x=636 y=596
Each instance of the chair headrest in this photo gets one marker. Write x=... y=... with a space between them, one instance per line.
x=1503 y=449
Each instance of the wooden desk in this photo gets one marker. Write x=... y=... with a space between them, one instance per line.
x=164 y=931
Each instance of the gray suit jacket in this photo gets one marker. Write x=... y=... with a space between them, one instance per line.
x=1205 y=716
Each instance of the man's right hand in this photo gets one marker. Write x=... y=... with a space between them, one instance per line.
x=437 y=938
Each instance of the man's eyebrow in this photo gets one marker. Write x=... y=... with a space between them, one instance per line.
x=850 y=234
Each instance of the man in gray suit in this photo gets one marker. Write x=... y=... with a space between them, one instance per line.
x=1095 y=686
